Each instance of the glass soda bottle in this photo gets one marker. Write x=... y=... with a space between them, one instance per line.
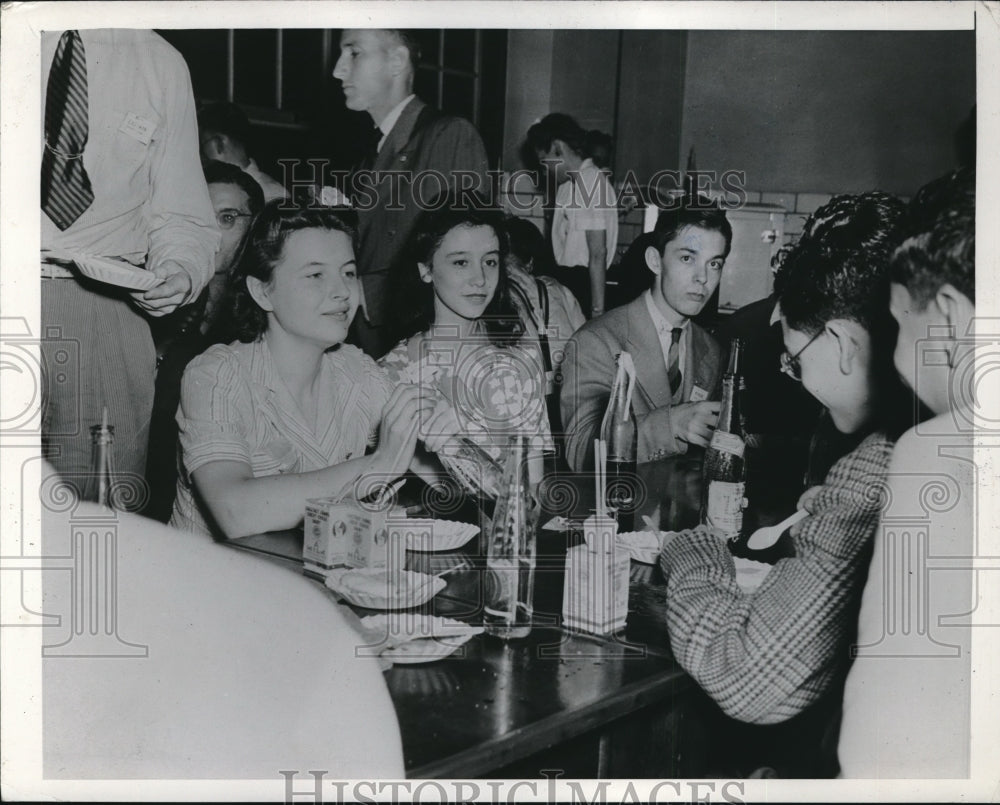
x=724 y=469
x=510 y=557
x=620 y=435
x=100 y=483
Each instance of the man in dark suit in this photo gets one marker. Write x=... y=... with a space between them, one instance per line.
x=420 y=153
x=678 y=364
x=780 y=416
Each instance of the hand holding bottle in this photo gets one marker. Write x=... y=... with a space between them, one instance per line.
x=694 y=422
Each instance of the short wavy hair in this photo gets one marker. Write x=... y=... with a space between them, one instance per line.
x=839 y=267
x=700 y=211
x=557 y=126
x=415 y=298
x=941 y=239
x=264 y=247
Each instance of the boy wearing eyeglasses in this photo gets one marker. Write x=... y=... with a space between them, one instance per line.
x=769 y=655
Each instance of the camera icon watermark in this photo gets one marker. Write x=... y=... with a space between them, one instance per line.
x=31 y=368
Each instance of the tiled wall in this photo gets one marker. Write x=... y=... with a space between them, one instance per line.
x=522 y=199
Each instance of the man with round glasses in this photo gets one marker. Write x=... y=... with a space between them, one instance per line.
x=782 y=651
x=236 y=199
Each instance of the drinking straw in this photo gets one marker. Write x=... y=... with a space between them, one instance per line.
x=387 y=491
x=597 y=477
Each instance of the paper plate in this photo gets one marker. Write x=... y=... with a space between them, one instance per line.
x=379 y=589
x=416 y=638
x=104 y=269
x=750 y=574
x=426 y=534
x=428 y=650
x=644 y=546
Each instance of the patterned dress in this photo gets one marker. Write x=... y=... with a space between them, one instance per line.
x=496 y=392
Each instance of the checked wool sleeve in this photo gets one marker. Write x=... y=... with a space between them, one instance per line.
x=766 y=656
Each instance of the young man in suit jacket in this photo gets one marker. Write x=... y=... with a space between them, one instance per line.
x=420 y=154
x=678 y=364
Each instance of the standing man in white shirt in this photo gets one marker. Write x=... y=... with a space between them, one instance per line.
x=585 y=219
x=420 y=154
x=120 y=179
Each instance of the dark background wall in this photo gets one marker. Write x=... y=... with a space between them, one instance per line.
x=836 y=111
x=803 y=113
x=815 y=112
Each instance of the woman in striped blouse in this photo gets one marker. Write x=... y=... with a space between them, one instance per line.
x=288 y=411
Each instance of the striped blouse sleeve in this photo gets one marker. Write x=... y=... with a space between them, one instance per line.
x=215 y=416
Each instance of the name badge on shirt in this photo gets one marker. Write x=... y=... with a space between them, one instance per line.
x=698 y=394
x=138 y=127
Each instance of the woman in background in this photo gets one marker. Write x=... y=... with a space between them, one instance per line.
x=585 y=221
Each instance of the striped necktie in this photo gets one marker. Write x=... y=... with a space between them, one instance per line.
x=674 y=361
x=66 y=190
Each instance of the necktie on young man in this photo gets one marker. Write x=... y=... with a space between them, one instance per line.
x=66 y=189
x=674 y=361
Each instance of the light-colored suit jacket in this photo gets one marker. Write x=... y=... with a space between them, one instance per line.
x=423 y=139
x=588 y=370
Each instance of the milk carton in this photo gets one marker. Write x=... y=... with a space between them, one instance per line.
x=325 y=533
x=343 y=532
x=595 y=593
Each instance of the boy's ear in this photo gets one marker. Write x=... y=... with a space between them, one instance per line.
x=847 y=345
x=214 y=146
x=956 y=308
x=653 y=260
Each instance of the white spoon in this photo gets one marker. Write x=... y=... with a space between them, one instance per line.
x=765 y=537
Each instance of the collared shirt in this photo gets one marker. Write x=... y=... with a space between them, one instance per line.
x=390 y=119
x=775 y=315
x=663 y=328
x=273 y=189
x=235 y=407
x=584 y=203
x=151 y=203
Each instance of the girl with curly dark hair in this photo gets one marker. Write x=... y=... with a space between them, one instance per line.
x=463 y=335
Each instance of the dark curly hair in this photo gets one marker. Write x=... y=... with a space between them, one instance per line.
x=225 y=173
x=839 y=268
x=265 y=244
x=941 y=239
x=415 y=298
